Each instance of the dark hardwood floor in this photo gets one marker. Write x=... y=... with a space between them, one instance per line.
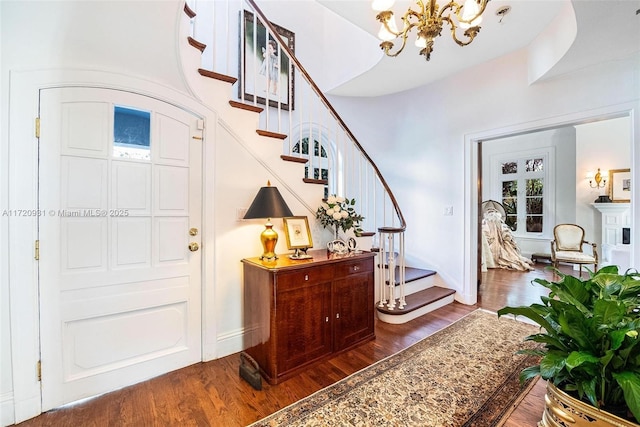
x=212 y=394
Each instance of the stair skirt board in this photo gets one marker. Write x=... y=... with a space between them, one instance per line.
x=416 y=285
x=412 y=273
x=401 y=317
x=416 y=280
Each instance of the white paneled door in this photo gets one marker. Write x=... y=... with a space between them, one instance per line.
x=120 y=191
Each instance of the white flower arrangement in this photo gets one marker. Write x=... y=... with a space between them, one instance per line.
x=339 y=213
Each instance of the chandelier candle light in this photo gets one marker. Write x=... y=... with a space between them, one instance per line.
x=428 y=21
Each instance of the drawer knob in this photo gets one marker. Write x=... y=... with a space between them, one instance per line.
x=306 y=277
x=327 y=319
x=356 y=268
x=337 y=315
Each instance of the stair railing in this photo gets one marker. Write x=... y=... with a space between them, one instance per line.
x=351 y=172
x=270 y=74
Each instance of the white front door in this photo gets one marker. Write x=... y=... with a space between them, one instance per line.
x=120 y=197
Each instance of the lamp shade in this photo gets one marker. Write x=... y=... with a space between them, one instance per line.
x=268 y=203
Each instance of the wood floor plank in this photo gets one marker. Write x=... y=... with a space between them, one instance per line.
x=212 y=393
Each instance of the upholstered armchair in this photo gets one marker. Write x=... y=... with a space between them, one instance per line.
x=567 y=246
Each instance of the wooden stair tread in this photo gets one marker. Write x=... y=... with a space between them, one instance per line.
x=217 y=76
x=315 y=181
x=419 y=300
x=270 y=134
x=411 y=274
x=190 y=13
x=391 y=229
x=294 y=159
x=248 y=107
x=195 y=43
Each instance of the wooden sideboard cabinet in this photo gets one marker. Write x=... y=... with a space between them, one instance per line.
x=297 y=312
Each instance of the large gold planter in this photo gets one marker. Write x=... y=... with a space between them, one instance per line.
x=562 y=410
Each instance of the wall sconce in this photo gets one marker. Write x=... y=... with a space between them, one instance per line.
x=268 y=203
x=598 y=179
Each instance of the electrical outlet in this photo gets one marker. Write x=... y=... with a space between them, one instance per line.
x=448 y=210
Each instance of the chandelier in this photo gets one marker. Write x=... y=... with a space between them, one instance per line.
x=428 y=22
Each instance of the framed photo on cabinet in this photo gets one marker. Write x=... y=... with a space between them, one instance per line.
x=296 y=229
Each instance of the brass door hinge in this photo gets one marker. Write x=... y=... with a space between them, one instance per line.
x=39 y=370
x=37 y=127
x=37 y=250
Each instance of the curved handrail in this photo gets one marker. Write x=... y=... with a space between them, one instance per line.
x=327 y=104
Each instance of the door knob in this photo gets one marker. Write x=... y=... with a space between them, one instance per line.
x=193 y=246
x=193 y=232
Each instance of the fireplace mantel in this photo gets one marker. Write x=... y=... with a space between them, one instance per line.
x=615 y=217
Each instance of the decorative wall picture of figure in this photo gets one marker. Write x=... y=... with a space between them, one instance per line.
x=266 y=71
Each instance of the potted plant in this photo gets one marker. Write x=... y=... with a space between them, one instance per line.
x=589 y=349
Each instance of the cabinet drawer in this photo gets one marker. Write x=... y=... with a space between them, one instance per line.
x=353 y=267
x=304 y=277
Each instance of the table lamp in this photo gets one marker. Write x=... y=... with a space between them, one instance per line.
x=268 y=203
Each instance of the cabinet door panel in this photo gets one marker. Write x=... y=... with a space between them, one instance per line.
x=354 y=313
x=303 y=324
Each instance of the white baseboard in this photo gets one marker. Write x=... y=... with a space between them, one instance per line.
x=231 y=342
x=7 y=416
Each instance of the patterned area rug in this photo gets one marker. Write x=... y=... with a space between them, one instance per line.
x=463 y=375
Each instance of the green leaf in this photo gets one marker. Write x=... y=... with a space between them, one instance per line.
x=573 y=324
x=588 y=388
x=577 y=358
x=552 y=342
x=529 y=313
x=575 y=288
x=630 y=383
x=551 y=364
x=530 y=372
x=617 y=338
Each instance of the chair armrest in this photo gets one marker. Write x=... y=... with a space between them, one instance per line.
x=594 y=249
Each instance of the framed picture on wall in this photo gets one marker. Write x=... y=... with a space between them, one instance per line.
x=266 y=73
x=620 y=185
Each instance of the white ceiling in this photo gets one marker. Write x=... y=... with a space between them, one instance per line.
x=610 y=25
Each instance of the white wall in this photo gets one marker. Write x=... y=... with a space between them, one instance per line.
x=605 y=145
x=418 y=138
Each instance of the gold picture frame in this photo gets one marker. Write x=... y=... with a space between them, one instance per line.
x=620 y=185
x=296 y=229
